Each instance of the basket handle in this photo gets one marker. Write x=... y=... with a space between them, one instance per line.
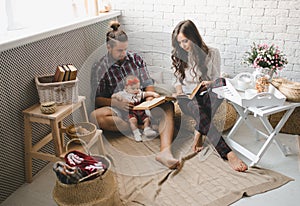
x=90 y=175
x=82 y=142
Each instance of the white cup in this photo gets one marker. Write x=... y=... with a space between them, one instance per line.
x=244 y=83
x=250 y=93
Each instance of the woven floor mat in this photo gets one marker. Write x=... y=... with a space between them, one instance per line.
x=204 y=179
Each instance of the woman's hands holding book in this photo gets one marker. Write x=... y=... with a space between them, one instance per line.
x=205 y=85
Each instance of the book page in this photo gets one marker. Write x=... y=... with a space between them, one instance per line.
x=153 y=103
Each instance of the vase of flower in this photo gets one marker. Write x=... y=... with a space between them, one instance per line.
x=266 y=60
x=263 y=72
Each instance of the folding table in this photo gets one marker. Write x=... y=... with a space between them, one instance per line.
x=273 y=105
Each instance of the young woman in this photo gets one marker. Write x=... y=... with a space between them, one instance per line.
x=196 y=63
x=108 y=76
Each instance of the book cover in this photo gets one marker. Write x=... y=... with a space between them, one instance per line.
x=67 y=72
x=196 y=90
x=73 y=72
x=59 y=74
x=199 y=89
x=153 y=103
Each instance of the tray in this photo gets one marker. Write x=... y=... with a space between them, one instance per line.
x=271 y=98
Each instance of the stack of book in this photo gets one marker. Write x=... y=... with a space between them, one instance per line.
x=67 y=72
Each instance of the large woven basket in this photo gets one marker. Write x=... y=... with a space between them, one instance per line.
x=224 y=118
x=291 y=90
x=276 y=82
x=291 y=126
x=181 y=120
x=100 y=191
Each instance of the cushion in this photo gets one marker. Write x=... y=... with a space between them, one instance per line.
x=164 y=89
x=157 y=77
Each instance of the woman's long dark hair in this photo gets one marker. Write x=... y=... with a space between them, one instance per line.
x=198 y=52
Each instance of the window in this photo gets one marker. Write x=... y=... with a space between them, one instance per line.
x=29 y=14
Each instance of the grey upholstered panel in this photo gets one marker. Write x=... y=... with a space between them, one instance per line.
x=18 y=67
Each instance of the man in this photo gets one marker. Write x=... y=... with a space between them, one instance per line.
x=107 y=78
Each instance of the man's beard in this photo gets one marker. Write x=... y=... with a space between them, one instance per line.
x=120 y=61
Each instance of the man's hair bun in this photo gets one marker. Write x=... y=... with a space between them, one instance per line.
x=114 y=25
x=115 y=34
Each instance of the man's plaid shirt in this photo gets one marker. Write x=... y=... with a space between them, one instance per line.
x=108 y=76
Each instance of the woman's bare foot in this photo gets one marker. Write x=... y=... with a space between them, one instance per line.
x=166 y=158
x=197 y=143
x=236 y=163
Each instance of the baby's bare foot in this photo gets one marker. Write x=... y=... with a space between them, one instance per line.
x=236 y=163
x=166 y=158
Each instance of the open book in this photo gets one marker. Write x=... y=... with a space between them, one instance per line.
x=199 y=89
x=153 y=103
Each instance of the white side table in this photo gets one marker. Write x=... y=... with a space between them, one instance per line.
x=262 y=112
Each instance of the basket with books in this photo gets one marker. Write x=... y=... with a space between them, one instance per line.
x=62 y=87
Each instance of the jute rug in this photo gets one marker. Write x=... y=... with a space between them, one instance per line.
x=204 y=179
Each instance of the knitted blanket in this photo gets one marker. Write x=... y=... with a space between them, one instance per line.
x=203 y=179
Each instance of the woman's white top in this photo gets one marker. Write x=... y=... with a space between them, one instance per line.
x=213 y=62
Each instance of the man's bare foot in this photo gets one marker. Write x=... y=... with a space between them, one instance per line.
x=166 y=158
x=197 y=143
x=236 y=163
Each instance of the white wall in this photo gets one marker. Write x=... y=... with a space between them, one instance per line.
x=230 y=25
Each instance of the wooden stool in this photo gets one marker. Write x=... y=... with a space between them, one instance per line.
x=33 y=114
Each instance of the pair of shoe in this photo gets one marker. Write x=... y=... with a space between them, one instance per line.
x=148 y=132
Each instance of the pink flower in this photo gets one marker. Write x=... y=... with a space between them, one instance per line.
x=263 y=55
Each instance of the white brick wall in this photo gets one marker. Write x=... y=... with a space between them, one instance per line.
x=230 y=25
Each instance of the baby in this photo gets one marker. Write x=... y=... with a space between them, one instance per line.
x=132 y=92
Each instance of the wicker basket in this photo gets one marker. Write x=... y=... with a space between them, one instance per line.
x=276 y=82
x=101 y=191
x=224 y=118
x=291 y=126
x=48 y=107
x=65 y=92
x=182 y=120
x=291 y=90
x=90 y=127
